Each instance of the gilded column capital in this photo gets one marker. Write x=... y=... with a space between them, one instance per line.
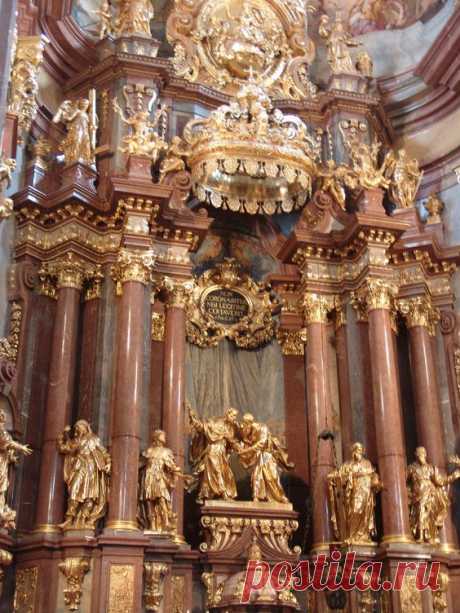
x=135 y=266
x=67 y=271
x=292 y=341
x=375 y=294
x=316 y=307
x=178 y=293
x=419 y=311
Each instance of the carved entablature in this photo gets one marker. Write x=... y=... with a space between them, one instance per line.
x=229 y=304
x=220 y=42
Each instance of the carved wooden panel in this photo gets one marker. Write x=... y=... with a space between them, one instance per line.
x=26 y=589
x=121 y=589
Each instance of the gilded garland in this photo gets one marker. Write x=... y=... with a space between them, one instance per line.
x=229 y=304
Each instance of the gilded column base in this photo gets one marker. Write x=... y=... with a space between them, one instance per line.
x=123 y=525
x=404 y=539
x=47 y=529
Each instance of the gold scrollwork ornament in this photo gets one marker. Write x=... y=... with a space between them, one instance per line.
x=74 y=571
x=154 y=574
x=228 y=303
x=220 y=43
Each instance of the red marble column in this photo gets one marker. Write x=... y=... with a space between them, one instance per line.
x=50 y=503
x=131 y=275
x=368 y=410
x=420 y=318
x=320 y=417
x=173 y=418
x=378 y=296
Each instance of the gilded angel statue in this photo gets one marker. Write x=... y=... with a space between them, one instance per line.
x=144 y=138
x=213 y=442
x=80 y=118
x=8 y=449
x=158 y=475
x=106 y=25
x=7 y=166
x=428 y=497
x=263 y=454
x=333 y=179
x=406 y=177
x=87 y=466
x=352 y=488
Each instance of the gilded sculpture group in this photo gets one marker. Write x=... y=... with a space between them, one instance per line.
x=352 y=487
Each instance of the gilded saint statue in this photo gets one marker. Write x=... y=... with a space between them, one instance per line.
x=213 y=441
x=428 y=497
x=365 y=163
x=8 y=449
x=80 y=119
x=157 y=480
x=134 y=18
x=338 y=41
x=406 y=177
x=263 y=454
x=352 y=489
x=87 y=466
x=174 y=158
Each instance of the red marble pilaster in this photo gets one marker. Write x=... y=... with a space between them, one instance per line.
x=87 y=378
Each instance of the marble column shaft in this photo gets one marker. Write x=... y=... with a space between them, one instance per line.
x=174 y=395
x=319 y=416
x=427 y=408
x=127 y=406
x=388 y=426
x=50 y=504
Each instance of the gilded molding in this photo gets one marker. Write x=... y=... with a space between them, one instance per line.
x=316 y=307
x=292 y=341
x=25 y=590
x=9 y=346
x=132 y=266
x=22 y=95
x=74 y=571
x=154 y=574
x=457 y=368
x=121 y=588
x=419 y=311
x=158 y=327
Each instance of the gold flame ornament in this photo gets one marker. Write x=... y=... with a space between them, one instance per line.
x=248 y=157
